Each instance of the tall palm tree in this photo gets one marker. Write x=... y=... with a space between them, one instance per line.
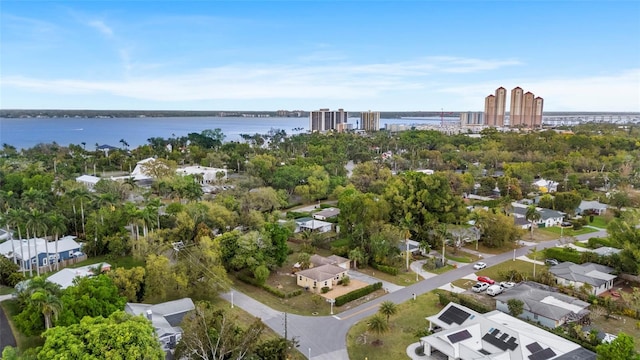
x=16 y=217
x=58 y=225
x=36 y=221
x=388 y=308
x=80 y=194
x=357 y=255
x=532 y=215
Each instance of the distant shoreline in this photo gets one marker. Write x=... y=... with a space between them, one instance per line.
x=105 y=114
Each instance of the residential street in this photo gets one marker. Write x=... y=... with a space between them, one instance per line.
x=324 y=337
x=6 y=335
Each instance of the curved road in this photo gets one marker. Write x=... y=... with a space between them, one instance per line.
x=324 y=338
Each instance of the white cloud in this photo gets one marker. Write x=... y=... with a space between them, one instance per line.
x=101 y=27
x=408 y=81
x=618 y=91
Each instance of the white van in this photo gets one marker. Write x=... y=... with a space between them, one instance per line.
x=494 y=290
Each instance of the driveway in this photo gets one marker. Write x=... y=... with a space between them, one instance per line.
x=390 y=287
x=6 y=335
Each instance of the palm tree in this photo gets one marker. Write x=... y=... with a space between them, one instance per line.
x=81 y=194
x=357 y=255
x=36 y=221
x=377 y=325
x=58 y=224
x=48 y=303
x=388 y=308
x=15 y=218
x=532 y=215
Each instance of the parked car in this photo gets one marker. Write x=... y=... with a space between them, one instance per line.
x=494 y=290
x=479 y=287
x=487 y=280
x=507 y=284
x=479 y=266
x=552 y=262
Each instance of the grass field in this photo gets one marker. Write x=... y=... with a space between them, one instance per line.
x=403 y=278
x=599 y=222
x=403 y=327
x=567 y=231
x=441 y=270
x=626 y=325
x=5 y=290
x=494 y=271
x=487 y=250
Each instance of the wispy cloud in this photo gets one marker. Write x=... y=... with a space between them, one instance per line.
x=101 y=27
x=270 y=81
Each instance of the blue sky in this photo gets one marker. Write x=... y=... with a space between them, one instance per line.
x=356 y=55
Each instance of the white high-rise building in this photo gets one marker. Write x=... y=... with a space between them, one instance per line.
x=325 y=120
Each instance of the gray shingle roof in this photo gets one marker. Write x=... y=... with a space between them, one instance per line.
x=323 y=272
x=588 y=273
x=542 y=300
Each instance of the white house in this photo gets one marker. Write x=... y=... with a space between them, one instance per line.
x=548 y=217
x=310 y=224
x=315 y=278
x=592 y=207
x=88 y=181
x=597 y=276
x=66 y=276
x=206 y=175
x=546 y=186
x=466 y=334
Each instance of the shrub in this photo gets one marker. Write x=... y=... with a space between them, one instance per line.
x=595 y=243
x=386 y=269
x=325 y=289
x=270 y=289
x=345 y=281
x=356 y=294
x=563 y=254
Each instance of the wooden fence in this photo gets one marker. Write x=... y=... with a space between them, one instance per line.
x=63 y=264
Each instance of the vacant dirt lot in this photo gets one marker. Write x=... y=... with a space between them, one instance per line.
x=341 y=290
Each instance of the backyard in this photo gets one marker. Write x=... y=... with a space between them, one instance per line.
x=567 y=231
x=402 y=331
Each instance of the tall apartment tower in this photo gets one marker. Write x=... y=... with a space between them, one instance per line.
x=325 y=120
x=490 y=110
x=471 y=119
x=538 y=105
x=494 y=107
x=515 y=114
x=527 y=109
x=370 y=121
x=501 y=104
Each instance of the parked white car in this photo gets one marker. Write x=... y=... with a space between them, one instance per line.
x=494 y=290
x=507 y=284
x=480 y=287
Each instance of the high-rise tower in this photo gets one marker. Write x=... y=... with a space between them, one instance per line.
x=538 y=105
x=515 y=113
x=501 y=104
x=527 y=109
x=370 y=121
x=324 y=120
x=490 y=110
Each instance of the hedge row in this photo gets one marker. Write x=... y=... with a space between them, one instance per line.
x=357 y=294
x=270 y=289
x=444 y=298
x=386 y=269
x=563 y=254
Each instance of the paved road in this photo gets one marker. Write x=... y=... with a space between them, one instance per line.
x=324 y=337
x=6 y=335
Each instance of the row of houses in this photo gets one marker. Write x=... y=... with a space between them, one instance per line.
x=37 y=252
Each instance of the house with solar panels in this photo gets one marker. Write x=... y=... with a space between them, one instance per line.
x=465 y=334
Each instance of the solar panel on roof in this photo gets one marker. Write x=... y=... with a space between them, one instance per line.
x=534 y=347
x=454 y=315
x=459 y=336
x=499 y=342
x=543 y=355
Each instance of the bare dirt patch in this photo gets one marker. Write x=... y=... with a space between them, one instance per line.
x=341 y=290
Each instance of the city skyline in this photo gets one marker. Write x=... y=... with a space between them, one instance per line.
x=356 y=55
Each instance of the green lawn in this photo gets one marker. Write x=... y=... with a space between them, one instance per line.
x=403 y=327
x=5 y=290
x=441 y=270
x=599 y=222
x=404 y=278
x=487 y=250
x=464 y=283
x=567 y=231
x=521 y=266
x=626 y=325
